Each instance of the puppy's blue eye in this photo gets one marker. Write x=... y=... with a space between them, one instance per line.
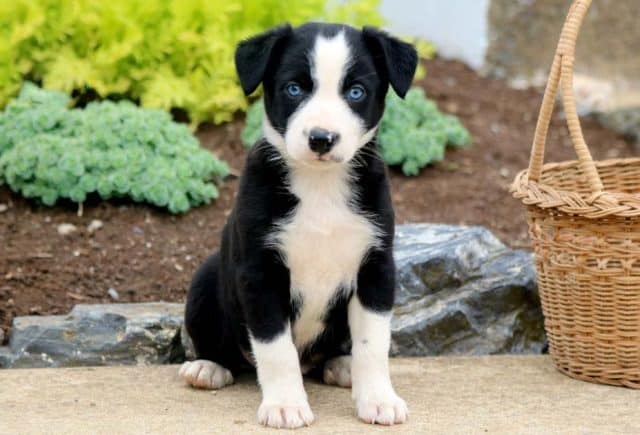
x=294 y=90
x=355 y=93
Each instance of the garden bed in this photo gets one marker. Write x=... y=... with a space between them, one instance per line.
x=144 y=254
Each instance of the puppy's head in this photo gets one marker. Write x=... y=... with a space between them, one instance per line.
x=324 y=86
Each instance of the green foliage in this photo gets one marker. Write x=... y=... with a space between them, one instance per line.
x=164 y=53
x=252 y=130
x=48 y=151
x=413 y=132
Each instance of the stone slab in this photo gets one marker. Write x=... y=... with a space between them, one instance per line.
x=452 y=395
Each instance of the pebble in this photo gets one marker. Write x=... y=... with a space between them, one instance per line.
x=113 y=294
x=504 y=172
x=451 y=107
x=66 y=229
x=3 y=208
x=94 y=226
x=451 y=82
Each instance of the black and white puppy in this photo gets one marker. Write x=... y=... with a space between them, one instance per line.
x=304 y=279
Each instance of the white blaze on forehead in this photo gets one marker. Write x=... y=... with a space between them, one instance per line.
x=329 y=62
x=326 y=107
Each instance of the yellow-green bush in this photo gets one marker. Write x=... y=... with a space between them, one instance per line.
x=164 y=53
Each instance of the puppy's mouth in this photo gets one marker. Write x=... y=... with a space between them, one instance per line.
x=328 y=159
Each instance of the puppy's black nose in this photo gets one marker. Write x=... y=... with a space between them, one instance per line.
x=321 y=141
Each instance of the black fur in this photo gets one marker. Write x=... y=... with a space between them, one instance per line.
x=397 y=58
x=246 y=286
x=253 y=56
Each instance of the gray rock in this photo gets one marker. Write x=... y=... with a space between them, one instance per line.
x=461 y=291
x=625 y=121
x=147 y=333
x=5 y=357
x=187 y=344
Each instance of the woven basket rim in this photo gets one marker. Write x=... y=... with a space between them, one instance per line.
x=601 y=205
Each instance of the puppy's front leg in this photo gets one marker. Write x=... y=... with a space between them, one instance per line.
x=370 y=324
x=265 y=299
x=375 y=399
x=284 y=400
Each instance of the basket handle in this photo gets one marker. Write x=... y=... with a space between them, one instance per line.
x=562 y=75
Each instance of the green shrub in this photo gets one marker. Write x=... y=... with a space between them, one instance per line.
x=252 y=130
x=164 y=53
x=413 y=132
x=48 y=151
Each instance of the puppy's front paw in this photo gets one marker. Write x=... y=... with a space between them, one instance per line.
x=206 y=374
x=387 y=409
x=289 y=415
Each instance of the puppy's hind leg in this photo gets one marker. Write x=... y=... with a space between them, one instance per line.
x=204 y=320
x=337 y=371
x=205 y=374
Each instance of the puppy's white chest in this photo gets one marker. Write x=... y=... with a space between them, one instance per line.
x=323 y=243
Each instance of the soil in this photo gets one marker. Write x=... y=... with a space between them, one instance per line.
x=145 y=254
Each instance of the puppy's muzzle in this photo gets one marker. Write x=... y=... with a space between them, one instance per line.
x=321 y=141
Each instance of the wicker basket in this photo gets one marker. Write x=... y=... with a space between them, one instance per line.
x=584 y=223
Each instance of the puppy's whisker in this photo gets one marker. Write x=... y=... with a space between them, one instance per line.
x=369 y=152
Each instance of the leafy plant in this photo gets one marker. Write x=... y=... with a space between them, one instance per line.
x=48 y=151
x=412 y=134
x=166 y=54
x=252 y=130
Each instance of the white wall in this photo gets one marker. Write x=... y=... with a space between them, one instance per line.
x=458 y=28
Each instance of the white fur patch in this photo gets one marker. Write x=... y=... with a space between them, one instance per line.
x=326 y=108
x=323 y=244
x=323 y=241
x=284 y=400
x=376 y=401
x=272 y=135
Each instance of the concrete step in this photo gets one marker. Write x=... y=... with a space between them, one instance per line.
x=463 y=395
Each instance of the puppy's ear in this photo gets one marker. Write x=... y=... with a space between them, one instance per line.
x=398 y=58
x=253 y=54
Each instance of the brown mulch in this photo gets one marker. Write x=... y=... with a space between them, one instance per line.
x=148 y=255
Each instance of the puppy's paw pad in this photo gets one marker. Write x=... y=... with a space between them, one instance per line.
x=289 y=416
x=388 y=411
x=337 y=371
x=205 y=374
